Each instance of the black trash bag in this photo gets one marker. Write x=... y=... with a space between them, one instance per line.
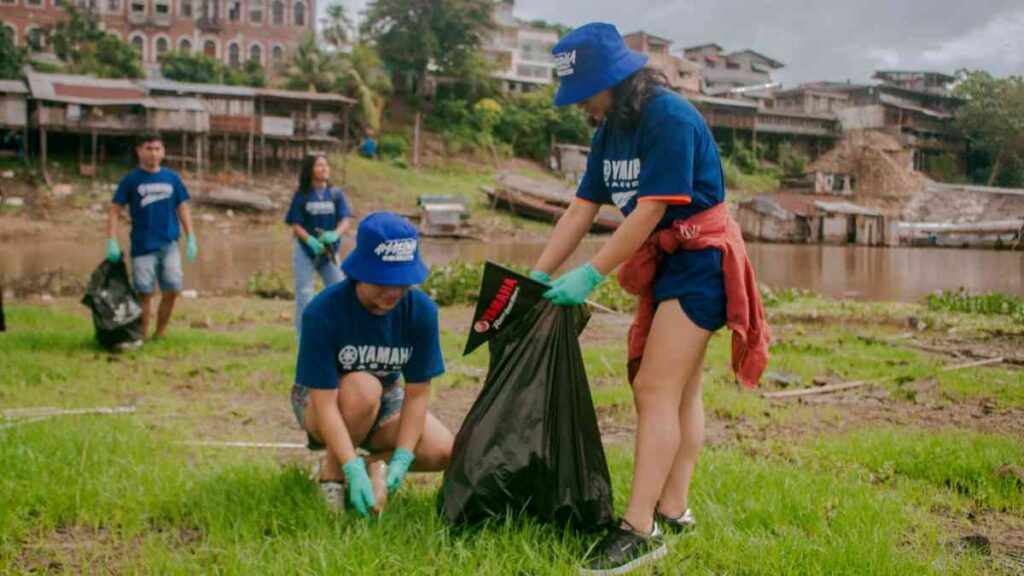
x=530 y=442
x=116 y=310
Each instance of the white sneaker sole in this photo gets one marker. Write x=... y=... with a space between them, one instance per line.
x=653 y=556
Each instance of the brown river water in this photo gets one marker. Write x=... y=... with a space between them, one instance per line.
x=862 y=273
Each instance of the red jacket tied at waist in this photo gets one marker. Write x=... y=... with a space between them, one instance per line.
x=712 y=228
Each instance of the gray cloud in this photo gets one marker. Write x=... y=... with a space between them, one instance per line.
x=820 y=39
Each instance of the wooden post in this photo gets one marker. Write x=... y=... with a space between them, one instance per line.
x=42 y=152
x=263 y=138
x=252 y=128
x=305 y=140
x=199 y=158
x=345 y=109
x=24 y=139
x=95 y=141
x=416 y=143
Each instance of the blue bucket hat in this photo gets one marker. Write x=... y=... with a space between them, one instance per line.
x=387 y=252
x=592 y=58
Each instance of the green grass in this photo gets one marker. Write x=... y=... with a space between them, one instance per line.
x=165 y=510
x=118 y=493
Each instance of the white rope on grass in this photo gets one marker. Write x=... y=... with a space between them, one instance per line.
x=21 y=416
x=240 y=444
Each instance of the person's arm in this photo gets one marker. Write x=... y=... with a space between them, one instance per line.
x=569 y=231
x=332 y=426
x=113 y=215
x=633 y=232
x=185 y=216
x=300 y=233
x=343 y=225
x=413 y=416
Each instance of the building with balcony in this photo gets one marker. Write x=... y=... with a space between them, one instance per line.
x=522 y=51
x=232 y=31
x=724 y=72
x=683 y=75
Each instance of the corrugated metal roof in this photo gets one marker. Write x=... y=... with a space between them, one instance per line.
x=13 y=87
x=174 y=103
x=724 y=102
x=303 y=96
x=75 y=89
x=196 y=88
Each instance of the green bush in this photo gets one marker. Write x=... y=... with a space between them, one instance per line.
x=270 y=284
x=993 y=304
x=393 y=146
x=792 y=162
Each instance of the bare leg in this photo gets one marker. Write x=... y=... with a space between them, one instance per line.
x=673 y=354
x=433 y=452
x=163 y=313
x=147 y=298
x=359 y=401
x=675 y=496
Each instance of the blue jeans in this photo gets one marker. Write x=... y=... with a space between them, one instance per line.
x=304 y=279
x=162 y=266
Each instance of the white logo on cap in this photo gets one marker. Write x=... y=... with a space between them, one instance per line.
x=564 y=63
x=398 y=250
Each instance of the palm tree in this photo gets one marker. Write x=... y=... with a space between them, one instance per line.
x=366 y=79
x=337 y=26
x=311 y=69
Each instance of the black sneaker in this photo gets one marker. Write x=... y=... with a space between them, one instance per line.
x=623 y=550
x=685 y=524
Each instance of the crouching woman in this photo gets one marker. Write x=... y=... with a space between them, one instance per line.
x=360 y=339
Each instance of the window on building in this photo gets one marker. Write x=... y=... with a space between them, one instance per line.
x=162 y=7
x=33 y=2
x=277 y=54
x=139 y=43
x=185 y=8
x=113 y=6
x=37 y=39
x=7 y=1
x=256 y=11
x=300 y=14
x=137 y=6
x=162 y=45
x=256 y=53
x=234 y=55
x=277 y=13
x=235 y=10
x=210 y=48
x=185 y=46
x=732 y=65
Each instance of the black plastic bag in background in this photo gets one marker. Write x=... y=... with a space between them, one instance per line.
x=531 y=441
x=116 y=311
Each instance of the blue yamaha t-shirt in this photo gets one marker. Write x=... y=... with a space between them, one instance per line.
x=152 y=199
x=671 y=157
x=322 y=209
x=340 y=336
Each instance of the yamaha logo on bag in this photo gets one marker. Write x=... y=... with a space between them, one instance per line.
x=504 y=297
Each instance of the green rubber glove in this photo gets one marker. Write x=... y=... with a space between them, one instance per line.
x=191 y=250
x=574 y=287
x=315 y=245
x=399 y=465
x=360 y=491
x=329 y=237
x=113 y=250
x=540 y=276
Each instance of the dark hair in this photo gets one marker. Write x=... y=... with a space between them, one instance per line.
x=147 y=137
x=306 y=173
x=631 y=95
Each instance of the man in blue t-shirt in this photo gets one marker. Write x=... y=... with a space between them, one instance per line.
x=157 y=200
x=359 y=338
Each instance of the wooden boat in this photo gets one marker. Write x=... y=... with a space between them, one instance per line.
x=534 y=208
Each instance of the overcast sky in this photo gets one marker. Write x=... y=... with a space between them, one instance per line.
x=818 y=39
